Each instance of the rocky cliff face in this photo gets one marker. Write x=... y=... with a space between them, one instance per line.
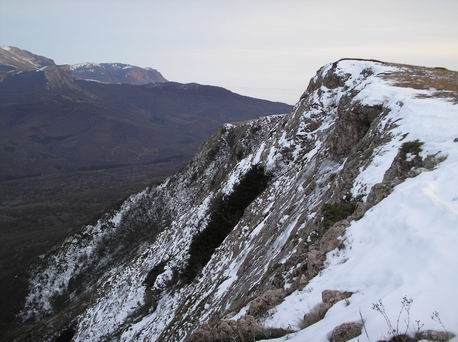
x=287 y=227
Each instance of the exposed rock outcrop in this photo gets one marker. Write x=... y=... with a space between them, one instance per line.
x=346 y=332
x=434 y=335
x=245 y=329
x=329 y=298
x=266 y=301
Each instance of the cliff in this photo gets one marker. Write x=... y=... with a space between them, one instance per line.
x=309 y=226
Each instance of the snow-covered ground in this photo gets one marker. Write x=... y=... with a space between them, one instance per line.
x=407 y=245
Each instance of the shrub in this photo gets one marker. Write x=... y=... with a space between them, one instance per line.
x=394 y=328
x=153 y=274
x=226 y=213
x=66 y=335
x=334 y=212
x=412 y=147
x=441 y=68
x=409 y=333
x=59 y=302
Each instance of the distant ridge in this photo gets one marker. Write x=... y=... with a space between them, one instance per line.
x=116 y=73
x=16 y=59
x=19 y=59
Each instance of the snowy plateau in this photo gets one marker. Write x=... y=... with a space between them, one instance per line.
x=337 y=221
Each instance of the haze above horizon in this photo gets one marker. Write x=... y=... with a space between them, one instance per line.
x=268 y=49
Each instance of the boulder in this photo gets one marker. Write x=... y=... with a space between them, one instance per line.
x=266 y=301
x=434 y=335
x=346 y=332
x=333 y=296
x=242 y=330
x=315 y=315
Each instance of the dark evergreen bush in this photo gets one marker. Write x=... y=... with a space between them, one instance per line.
x=334 y=212
x=59 y=302
x=153 y=274
x=226 y=213
x=66 y=335
x=413 y=147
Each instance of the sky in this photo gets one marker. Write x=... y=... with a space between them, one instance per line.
x=268 y=49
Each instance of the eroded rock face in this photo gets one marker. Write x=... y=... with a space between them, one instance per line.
x=354 y=120
x=312 y=157
x=329 y=241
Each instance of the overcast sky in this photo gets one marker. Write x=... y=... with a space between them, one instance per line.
x=268 y=49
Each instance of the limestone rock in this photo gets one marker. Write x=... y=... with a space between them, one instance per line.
x=333 y=296
x=434 y=335
x=244 y=329
x=346 y=332
x=315 y=315
x=267 y=300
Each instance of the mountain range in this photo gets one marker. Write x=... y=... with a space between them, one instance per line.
x=15 y=59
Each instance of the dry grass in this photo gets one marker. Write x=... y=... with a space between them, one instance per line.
x=444 y=81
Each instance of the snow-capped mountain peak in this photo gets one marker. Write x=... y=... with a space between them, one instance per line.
x=116 y=73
